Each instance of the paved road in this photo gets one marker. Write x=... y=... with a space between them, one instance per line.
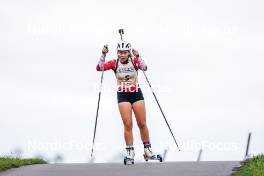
x=204 y=168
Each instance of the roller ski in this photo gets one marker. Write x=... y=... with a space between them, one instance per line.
x=149 y=155
x=129 y=159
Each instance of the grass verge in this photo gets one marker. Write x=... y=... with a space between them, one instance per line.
x=253 y=167
x=10 y=162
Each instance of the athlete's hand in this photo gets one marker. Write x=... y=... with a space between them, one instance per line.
x=135 y=53
x=105 y=49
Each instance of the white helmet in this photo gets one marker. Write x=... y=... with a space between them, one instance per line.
x=123 y=46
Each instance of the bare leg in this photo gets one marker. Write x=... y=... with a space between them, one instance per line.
x=140 y=114
x=125 y=109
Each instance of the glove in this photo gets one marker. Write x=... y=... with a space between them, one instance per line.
x=135 y=52
x=105 y=49
x=102 y=58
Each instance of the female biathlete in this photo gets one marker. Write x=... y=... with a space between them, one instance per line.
x=129 y=94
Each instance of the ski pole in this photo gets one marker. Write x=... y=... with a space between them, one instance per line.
x=98 y=105
x=121 y=32
x=161 y=110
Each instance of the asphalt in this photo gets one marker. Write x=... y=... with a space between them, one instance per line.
x=203 y=168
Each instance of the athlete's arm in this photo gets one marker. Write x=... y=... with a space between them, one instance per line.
x=140 y=63
x=102 y=65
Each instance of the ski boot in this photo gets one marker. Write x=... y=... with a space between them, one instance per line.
x=129 y=159
x=149 y=155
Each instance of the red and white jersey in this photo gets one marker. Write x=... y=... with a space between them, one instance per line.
x=126 y=73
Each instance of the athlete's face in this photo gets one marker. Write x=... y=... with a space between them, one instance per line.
x=123 y=55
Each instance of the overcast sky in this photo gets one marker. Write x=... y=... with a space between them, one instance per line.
x=205 y=61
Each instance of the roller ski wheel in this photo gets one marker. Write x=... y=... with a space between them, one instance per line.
x=128 y=161
x=154 y=157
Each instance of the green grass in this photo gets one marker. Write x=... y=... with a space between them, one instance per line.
x=10 y=162
x=254 y=167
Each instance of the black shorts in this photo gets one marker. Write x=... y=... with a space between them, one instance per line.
x=131 y=97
